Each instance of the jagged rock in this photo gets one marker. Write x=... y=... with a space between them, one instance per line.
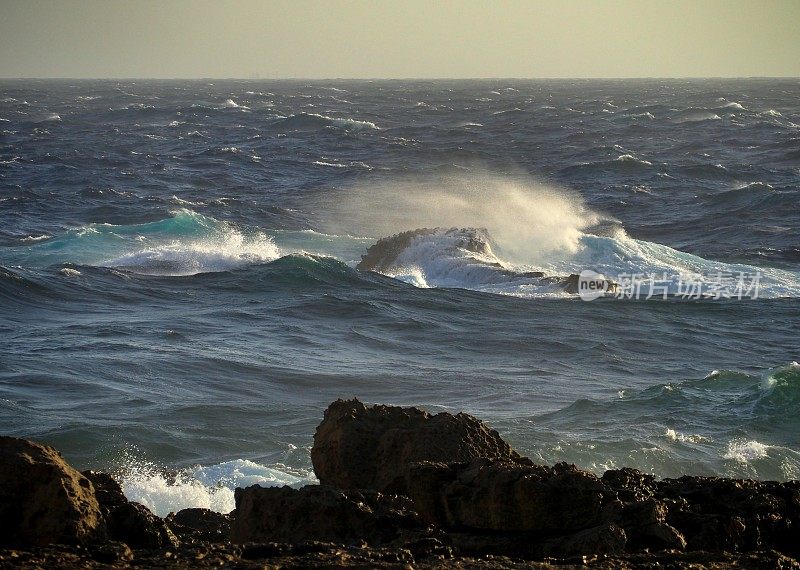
x=360 y=447
x=127 y=521
x=646 y=527
x=630 y=484
x=199 y=525
x=320 y=513
x=498 y=495
x=716 y=513
x=43 y=499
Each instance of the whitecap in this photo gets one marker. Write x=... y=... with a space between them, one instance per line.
x=744 y=451
x=227 y=250
x=629 y=158
x=32 y=238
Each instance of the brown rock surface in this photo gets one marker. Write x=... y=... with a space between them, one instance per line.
x=128 y=521
x=320 y=513
x=360 y=447
x=42 y=499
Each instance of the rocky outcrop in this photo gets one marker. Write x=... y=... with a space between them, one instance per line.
x=42 y=499
x=452 y=494
x=360 y=447
x=461 y=477
x=321 y=513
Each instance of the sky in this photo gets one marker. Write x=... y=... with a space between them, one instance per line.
x=399 y=38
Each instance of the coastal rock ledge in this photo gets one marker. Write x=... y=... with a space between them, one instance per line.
x=403 y=488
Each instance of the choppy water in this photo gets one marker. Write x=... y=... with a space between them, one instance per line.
x=178 y=286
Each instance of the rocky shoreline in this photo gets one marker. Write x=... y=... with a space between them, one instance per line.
x=400 y=487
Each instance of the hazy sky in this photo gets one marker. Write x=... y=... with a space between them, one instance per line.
x=402 y=38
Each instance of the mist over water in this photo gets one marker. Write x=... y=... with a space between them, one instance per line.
x=180 y=297
x=527 y=219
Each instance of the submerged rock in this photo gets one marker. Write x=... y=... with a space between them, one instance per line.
x=42 y=499
x=384 y=254
x=360 y=447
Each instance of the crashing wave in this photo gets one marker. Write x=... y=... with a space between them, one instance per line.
x=315 y=121
x=454 y=257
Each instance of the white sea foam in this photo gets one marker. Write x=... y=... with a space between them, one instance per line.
x=315 y=120
x=630 y=159
x=696 y=115
x=231 y=104
x=673 y=435
x=744 y=451
x=210 y=487
x=230 y=249
x=29 y=239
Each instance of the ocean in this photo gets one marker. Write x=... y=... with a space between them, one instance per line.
x=180 y=298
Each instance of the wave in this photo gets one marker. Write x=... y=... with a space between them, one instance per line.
x=315 y=121
x=696 y=115
x=231 y=104
x=184 y=244
x=727 y=423
x=624 y=163
x=189 y=243
x=209 y=487
x=468 y=258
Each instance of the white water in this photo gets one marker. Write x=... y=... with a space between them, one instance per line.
x=210 y=487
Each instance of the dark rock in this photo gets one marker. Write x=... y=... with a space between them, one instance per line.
x=199 y=525
x=138 y=527
x=359 y=447
x=320 y=513
x=256 y=551
x=646 y=527
x=111 y=552
x=43 y=499
x=716 y=513
x=127 y=521
x=429 y=547
x=630 y=484
x=602 y=539
x=499 y=495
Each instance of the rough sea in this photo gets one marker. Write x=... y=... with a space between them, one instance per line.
x=179 y=297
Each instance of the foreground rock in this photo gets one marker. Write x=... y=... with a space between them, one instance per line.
x=356 y=447
x=323 y=513
x=42 y=499
x=127 y=521
x=462 y=478
x=442 y=491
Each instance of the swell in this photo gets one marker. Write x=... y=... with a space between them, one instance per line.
x=731 y=423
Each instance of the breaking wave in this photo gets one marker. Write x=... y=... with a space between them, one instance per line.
x=315 y=121
x=740 y=425
x=209 y=487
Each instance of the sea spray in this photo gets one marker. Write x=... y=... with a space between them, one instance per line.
x=529 y=220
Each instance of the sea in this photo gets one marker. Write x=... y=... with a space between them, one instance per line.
x=181 y=295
